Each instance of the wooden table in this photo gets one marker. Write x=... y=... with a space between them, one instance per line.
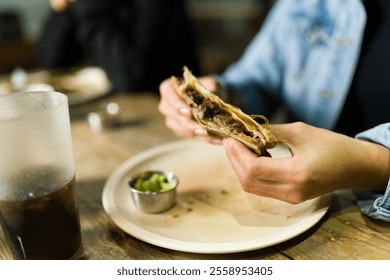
x=343 y=233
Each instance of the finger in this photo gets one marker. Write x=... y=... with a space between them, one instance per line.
x=184 y=127
x=248 y=164
x=239 y=156
x=292 y=133
x=282 y=132
x=179 y=117
x=189 y=129
x=209 y=83
x=176 y=112
x=171 y=105
x=263 y=184
x=170 y=101
x=185 y=112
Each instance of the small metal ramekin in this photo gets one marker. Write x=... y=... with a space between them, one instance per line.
x=154 y=202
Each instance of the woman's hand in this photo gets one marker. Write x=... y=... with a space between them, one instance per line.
x=178 y=116
x=322 y=161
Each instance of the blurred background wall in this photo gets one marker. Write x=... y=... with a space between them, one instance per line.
x=20 y=23
x=223 y=28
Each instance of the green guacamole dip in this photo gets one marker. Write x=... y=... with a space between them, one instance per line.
x=152 y=182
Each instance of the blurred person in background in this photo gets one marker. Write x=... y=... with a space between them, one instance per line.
x=326 y=62
x=138 y=43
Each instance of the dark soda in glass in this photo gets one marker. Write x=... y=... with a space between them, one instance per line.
x=44 y=228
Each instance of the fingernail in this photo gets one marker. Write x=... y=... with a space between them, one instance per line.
x=200 y=132
x=216 y=141
x=184 y=111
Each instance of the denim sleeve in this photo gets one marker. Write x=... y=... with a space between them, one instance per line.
x=374 y=204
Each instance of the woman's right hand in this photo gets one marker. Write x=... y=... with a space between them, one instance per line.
x=322 y=161
x=178 y=116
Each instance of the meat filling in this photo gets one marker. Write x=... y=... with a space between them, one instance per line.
x=207 y=110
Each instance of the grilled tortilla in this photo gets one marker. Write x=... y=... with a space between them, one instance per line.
x=222 y=119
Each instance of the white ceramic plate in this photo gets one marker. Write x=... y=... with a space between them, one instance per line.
x=212 y=214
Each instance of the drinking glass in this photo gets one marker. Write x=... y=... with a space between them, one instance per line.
x=39 y=213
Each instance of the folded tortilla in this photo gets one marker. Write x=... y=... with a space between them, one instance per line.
x=222 y=119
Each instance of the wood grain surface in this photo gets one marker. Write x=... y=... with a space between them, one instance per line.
x=343 y=233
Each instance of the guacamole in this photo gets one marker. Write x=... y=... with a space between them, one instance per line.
x=152 y=182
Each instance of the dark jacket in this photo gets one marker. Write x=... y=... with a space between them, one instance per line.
x=139 y=43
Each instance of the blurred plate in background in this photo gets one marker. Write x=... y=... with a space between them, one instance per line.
x=82 y=85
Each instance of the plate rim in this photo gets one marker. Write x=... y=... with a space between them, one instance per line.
x=108 y=201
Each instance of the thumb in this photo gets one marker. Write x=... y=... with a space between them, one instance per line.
x=238 y=154
x=236 y=148
x=291 y=133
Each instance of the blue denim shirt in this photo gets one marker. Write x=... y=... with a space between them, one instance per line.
x=304 y=57
x=373 y=204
